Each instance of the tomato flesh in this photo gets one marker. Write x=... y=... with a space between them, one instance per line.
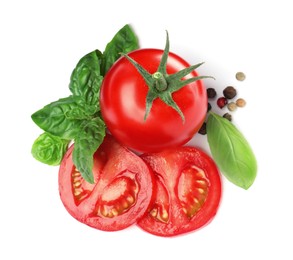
x=121 y=193
x=188 y=191
x=123 y=104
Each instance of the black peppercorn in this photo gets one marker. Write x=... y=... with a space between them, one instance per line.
x=229 y=92
x=211 y=92
x=228 y=116
x=203 y=129
x=209 y=107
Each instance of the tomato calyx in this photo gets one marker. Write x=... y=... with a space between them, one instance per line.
x=161 y=85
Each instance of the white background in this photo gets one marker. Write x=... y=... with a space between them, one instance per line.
x=41 y=42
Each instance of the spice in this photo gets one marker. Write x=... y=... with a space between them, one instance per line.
x=221 y=102
x=240 y=76
x=228 y=116
x=240 y=102
x=209 y=107
x=229 y=92
x=211 y=92
x=232 y=106
x=203 y=129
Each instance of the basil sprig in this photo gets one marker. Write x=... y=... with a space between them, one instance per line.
x=77 y=117
x=231 y=151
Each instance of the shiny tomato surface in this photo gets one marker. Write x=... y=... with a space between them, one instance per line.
x=123 y=104
x=187 y=191
x=121 y=193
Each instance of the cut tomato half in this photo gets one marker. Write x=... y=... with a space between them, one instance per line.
x=188 y=191
x=121 y=193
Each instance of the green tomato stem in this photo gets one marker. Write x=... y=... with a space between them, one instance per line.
x=161 y=85
x=160 y=81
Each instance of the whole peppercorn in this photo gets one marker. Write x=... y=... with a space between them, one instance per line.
x=211 y=92
x=229 y=92
x=221 y=102
x=240 y=76
x=240 y=102
x=209 y=107
x=203 y=129
x=228 y=116
x=232 y=106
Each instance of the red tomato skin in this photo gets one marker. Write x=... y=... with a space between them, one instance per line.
x=111 y=161
x=168 y=166
x=123 y=104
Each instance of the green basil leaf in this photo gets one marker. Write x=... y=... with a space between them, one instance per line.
x=85 y=82
x=124 y=41
x=231 y=151
x=56 y=118
x=49 y=149
x=86 y=143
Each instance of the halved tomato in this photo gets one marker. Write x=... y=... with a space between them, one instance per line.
x=188 y=191
x=121 y=193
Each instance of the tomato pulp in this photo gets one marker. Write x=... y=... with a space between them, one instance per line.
x=187 y=194
x=121 y=193
x=123 y=104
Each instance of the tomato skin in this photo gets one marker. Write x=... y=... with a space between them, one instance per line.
x=121 y=194
x=123 y=104
x=188 y=191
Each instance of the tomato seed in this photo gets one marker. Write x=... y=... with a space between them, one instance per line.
x=77 y=192
x=201 y=190
x=130 y=199
x=154 y=212
x=77 y=184
x=201 y=182
x=114 y=212
x=165 y=215
x=125 y=204
x=76 y=174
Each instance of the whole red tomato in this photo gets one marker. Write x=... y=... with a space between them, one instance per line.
x=123 y=103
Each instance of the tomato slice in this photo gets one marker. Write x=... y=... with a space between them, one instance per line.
x=188 y=191
x=121 y=193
